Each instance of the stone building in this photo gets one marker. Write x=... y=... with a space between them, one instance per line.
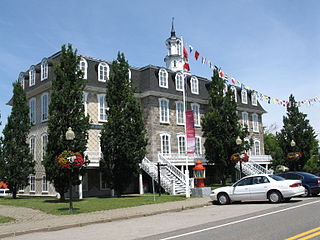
x=160 y=90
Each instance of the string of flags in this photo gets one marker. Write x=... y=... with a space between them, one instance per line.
x=231 y=80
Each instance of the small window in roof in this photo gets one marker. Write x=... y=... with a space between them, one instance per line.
x=163 y=78
x=103 y=72
x=44 y=69
x=32 y=76
x=83 y=66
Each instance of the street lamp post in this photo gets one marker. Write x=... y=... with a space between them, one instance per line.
x=238 y=142
x=70 y=137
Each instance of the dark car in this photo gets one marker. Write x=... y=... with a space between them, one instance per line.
x=309 y=181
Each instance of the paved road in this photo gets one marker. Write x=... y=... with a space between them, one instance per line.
x=258 y=220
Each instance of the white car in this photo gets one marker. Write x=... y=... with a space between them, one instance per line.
x=259 y=187
x=4 y=192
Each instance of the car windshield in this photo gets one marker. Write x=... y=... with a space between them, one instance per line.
x=277 y=178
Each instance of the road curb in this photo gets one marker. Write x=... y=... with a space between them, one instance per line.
x=110 y=219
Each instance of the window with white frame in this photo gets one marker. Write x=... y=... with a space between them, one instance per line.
x=179 y=82
x=129 y=75
x=32 y=183
x=256 y=147
x=196 y=113
x=198 y=145
x=83 y=66
x=165 y=144
x=32 y=76
x=44 y=107
x=21 y=79
x=255 y=122
x=233 y=88
x=44 y=69
x=85 y=102
x=194 y=85
x=254 y=99
x=103 y=181
x=164 y=110
x=102 y=107
x=44 y=184
x=181 y=144
x=44 y=142
x=225 y=89
x=21 y=188
x=32 y=110
x=32 y=146
x=244 y=96
x=180 y=113
x=163 y=78
x=245 y=119
x=103 y=72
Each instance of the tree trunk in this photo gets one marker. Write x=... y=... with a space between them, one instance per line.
x=62 y=197
x=14 y=193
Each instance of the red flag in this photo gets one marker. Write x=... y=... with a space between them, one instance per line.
x=185 y=53
x=196 y=55
x=186 y=66
x=190 y=132
x=221 y=74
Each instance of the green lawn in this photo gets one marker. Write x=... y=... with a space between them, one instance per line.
x=53 y=206
x=5 y=219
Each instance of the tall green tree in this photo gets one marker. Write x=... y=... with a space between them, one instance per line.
x=17 y=163
x=123 y=138
x=296 y=127
x=66 y=109
x=271 y=147
x=221 y=128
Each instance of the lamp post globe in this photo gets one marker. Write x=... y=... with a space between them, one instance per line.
x=70 y=134
x=238 y=142
x=292 y=143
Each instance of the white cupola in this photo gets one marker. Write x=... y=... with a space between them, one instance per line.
x=174 y=59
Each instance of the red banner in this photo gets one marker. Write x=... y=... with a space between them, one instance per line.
x=191 y=138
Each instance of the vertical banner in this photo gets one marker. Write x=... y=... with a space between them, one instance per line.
x=190 y=132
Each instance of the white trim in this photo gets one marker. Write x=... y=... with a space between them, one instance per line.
x=179 y=79
x=42 y=144
x=33 y=110
x=244 y=96
x=163 y=83
x=166 y=111
x=44 y=69
x=196 y=114
x=103 y=72
x=103 y=107
x=34 y=184
x=255 y=122
x=225 y=89
x=200 y=146
x=83 y=66
x=44 y=108
x=254 y=98
x=234 y=89
x=194 y=84
x=85 y=103
x=184 y=139
x=169 y=142
x=42 y=184
x=180 y=113
x=32 y=76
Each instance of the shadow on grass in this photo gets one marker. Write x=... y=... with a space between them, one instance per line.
x=59 y=201
x=66 y=210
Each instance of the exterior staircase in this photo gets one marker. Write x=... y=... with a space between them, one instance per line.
x=251 y=168
x=172 y=180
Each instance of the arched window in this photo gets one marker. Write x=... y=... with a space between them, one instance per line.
x=255 y=122
x=32 y=76
x=233 y=88
x=256 y=147
x=21 y=79
x=254 y=99
x=196 y=113
x=181 y=144
x=83 y=66
x=180 y=113
x=129 y=75
x=198 y=145
x=102 y=108
x=194 y=85
x=225 y=89
x=245 y=119
x=164 y=110
x=44 y=69
x=163 y=78
x=44 y=107
x=165 y=143
x=32 y=110
x=44 y=142
x=244 y=96
x=179 y=82
x=103 y=72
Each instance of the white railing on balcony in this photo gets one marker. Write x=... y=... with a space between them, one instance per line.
x=184 y=159
x=251 y=168
x=93 y=157
x=261 y=159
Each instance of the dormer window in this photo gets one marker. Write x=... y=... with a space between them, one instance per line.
x=103 y=72
x=179 y=82
x=244 y=96
x=129 y=75
x=83 y=66
x=163 y=78
x=21 y=79
x=254 y=99
x=32 y=76
x=44 y=69
x=225 y=89
x=234 y=90
x=194 y=85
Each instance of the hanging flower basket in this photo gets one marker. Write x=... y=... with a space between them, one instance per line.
x=239 y=157
x=70 y=160
x=294 y=156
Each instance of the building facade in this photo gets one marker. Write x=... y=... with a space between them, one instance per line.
x=160 y=90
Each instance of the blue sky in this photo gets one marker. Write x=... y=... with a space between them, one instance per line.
x=272 y=46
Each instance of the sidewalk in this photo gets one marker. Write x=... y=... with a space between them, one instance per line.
x=29 y=220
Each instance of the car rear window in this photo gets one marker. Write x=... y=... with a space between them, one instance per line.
x=277 y=178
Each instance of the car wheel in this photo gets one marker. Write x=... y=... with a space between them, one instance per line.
x=306 y=193
x=275 y=197
x=223 y=199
